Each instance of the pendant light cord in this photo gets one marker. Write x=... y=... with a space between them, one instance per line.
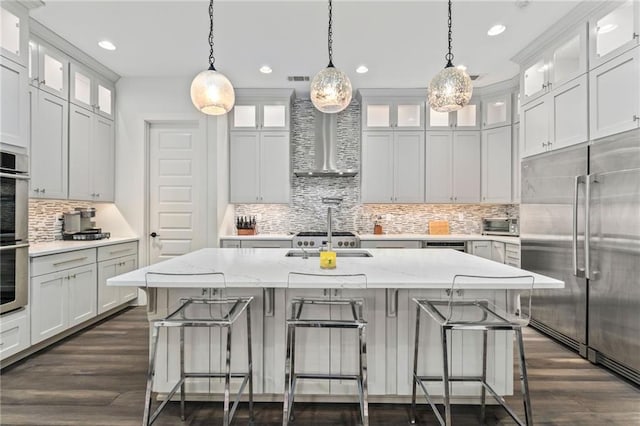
x=330 y=35
x=449 y=56
x=212 y=58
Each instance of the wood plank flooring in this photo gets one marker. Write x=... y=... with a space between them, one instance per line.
x=97 y=377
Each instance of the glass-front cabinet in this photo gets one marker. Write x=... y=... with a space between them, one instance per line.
x=48 y=69
x=466 y=118
x=496 y=111
x=254 y=114
x=14 y=32
x=393 y=113
x=563 y=62
x=90 y=91
x=613 y=30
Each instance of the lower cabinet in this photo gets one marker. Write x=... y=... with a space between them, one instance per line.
x=109 y=296
x=14 y=332
x=512 y=255
x=391 y=244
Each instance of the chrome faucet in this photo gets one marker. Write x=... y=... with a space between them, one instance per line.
x=332 y=201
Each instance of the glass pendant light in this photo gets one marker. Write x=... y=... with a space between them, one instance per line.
x=211 y=91
x=330 y=88
x=451 y=88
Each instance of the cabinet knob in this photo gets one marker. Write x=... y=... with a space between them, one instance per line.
x=98 y=195
x=43 y=82
x=154 y=234
x=42 y=190
x=35 y=80
x=450 y=198
x=635 y=35
x=635 y=118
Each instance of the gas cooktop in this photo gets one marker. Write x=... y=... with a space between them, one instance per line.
x=319 y=239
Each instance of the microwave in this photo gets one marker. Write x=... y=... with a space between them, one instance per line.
x=500 y=226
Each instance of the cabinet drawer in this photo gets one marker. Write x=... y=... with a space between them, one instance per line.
x=117 y=250
x=513 y=250
x=230 y=243
x=59 y=262
x=14 y=333
x=392 y=244
x=265 y=244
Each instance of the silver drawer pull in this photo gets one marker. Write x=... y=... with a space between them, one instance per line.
x=70 y=261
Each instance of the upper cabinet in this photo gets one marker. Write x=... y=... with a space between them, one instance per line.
x=14 y=32
x=92 y=92
x=383 y=113
x=496 y=110
x=257 y=113
x=564 y=61
x=14 y=105
x=48 y=69
x=613 y=30
x=467 y=118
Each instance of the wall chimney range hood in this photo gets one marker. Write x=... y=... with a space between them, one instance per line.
x=326 y=136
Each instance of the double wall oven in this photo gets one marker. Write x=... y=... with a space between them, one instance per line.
x=14 y=246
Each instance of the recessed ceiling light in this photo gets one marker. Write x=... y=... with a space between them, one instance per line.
x=362 y=69
x=499 y=103
x=107 y=45
x=606 y=28
x=265 y=69
x=496 y=29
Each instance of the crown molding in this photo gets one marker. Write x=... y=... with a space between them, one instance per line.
x=31 y=4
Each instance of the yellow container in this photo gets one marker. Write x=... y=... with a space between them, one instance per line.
x=327 y=259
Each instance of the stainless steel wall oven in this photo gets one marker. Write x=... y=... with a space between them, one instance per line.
x=14 y=244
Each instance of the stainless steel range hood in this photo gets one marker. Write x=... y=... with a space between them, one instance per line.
x=326 y=136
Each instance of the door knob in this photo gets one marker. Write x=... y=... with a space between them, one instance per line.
x=153 y=235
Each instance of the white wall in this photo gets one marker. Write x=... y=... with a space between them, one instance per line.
x=141 y=100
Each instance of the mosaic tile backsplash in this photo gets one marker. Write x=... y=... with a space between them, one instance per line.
x=45 y=218
x=307 y=213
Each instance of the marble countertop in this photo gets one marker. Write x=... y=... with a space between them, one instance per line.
x=269 y=268
x=60 y=246
x=382 y=237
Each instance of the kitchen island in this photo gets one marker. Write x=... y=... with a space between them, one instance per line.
x=394 y=277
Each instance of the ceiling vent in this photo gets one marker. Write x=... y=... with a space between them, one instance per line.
x=298 y=78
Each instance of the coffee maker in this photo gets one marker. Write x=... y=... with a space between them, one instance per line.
x=79 y=226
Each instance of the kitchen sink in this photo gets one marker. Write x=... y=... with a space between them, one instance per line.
x=339 y=253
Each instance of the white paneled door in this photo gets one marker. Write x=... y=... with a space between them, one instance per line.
x=177 y=189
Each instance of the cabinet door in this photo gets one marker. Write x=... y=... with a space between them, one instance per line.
x=275 y=179
x=569 y=113
x=497 y=251
x=14 y=104
x=83 y=294
x=438 y=120
x=613 y=30
x=408 y=115
x=104 y=98
x=49 y=145
x=467 y=118
x=108 y=296
x=80 y=160
x=496 y=165
x=481 y=249
x=52 y=69
x=245 y=116
x=533 y=81
x=377 y=167
x=376 y=114
x=244 y=167
x=466 y=167
x=274 y=115
x=535 y=127
x=515 y=161
x=569 y=58
x=496 y=111
x=408 y=174
x=614 y=95
x=438 y=173
x=81 y=87
x=14 y=333
x=128 y=264
x=14 y=32
x=49 y=305
x=102 y=152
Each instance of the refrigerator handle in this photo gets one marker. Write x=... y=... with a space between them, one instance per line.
x=578 y=272
x=587 y=226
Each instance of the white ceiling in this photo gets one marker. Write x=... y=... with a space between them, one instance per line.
x=403 y=43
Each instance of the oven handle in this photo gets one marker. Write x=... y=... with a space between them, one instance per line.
x=12 y=176
x=14 y=247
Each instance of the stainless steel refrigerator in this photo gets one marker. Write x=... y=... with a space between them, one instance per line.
x=580 y=222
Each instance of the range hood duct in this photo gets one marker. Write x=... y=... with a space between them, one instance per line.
x=326 y=137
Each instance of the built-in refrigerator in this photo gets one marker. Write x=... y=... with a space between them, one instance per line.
x=580 y=223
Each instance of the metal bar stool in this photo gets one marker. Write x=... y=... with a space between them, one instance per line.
x=356 y=307
x=476 y=315
x=181 y=318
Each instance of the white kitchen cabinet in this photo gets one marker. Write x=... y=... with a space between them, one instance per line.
x=48 y=69
x=391 y=244
x=110 y=297
x=261 y=109
x=14 y=32
x=481 y=249
x=496 y=165
x=496 y=110
x=265 y=243
x=14 y=105
x=49 y=143
x=393 y=167
x=49 y=305
x=259 y=167
x=453 y=167
x=516 y=106
x=556 y=120
x=515 y=163
x=562 y=62
x=91 y=91
x=512 y=255
x=82 y=293
x=466 y=118
x=498 y=251
x=15 y=332
x=613 y=30
x=91 y=156
x=614 y=95
x=385 y=113
x=229 y=243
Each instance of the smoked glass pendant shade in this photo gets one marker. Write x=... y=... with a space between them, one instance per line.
x=450 y=90
x=212 y=93
x=331 y=90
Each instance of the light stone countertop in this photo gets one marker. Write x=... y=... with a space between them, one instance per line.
x=60 y=246
x=269 y=268
x=383 y=237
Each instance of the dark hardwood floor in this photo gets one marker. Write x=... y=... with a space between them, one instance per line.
x=97 y=377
